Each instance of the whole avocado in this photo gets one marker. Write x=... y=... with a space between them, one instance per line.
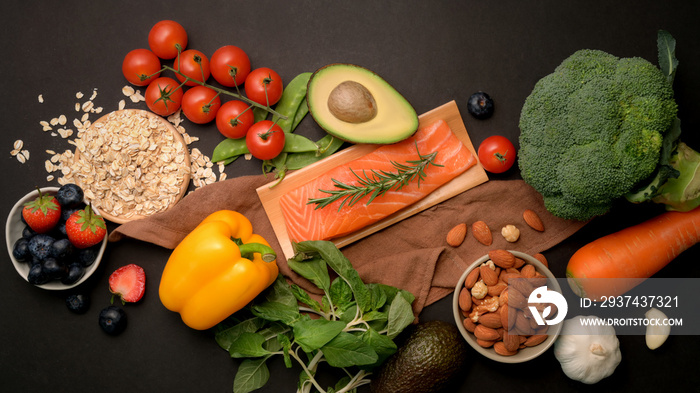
x=427 y=361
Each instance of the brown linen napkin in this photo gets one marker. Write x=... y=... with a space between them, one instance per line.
x=412 y=254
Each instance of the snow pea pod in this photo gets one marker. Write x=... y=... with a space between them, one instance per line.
x=295 y=143
x=327 y=145
x=292 y=97
x=229 y=148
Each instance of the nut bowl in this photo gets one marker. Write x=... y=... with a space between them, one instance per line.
x=522 y=354
x=13 y=232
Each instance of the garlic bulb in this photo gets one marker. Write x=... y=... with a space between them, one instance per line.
x=657 y=331
x=587 y=352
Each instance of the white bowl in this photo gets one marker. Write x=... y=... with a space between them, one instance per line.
x=13 y=232
x=524 y=354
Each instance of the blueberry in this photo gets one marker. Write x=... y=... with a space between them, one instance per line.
x=36 y=275
x=480 y=105
x=28 y=232
x=74 y=273
x=70 y=195
x=87 y=256
x=67 y=212
x=62 y=250
x=21 y=250
x=53 y=269
x=79 y=303
x=113 y=320
x=40 y=246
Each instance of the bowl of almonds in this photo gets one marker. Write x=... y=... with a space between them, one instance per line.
x=494 y=309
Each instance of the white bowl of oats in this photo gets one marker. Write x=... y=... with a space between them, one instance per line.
x=131 y=163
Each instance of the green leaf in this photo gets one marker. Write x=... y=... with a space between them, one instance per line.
x=305 y=298
x=668 y=63
x=312 y=334
x=251 y=375
x=314 y=270
x=227 y=336
x=280 y=292
x=382 y=345
x=400 y=315
x=340 y=293
x=379 y=295
x=286 y=348
x=346 y=350
x=273 y=311
x=248 y=345
x=375 y=316
x=330 y=253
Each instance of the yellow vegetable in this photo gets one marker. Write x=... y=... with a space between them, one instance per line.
x=216 y=270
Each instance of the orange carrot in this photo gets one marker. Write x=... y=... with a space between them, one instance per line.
x=633 y=254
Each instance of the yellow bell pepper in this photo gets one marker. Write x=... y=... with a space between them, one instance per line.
x=216 y=270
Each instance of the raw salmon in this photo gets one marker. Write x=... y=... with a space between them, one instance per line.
x=305 y=222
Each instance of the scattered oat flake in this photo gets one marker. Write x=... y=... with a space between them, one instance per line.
x=62 y=120
x=41 y=99
x=122 y=104
x=21 y=158
x=49 y=178
x=128 y=90
x=94 y=94
x=79 y=95
x=18 y=144
x=77 y=107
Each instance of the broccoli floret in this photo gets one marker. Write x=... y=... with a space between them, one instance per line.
x=592 y=130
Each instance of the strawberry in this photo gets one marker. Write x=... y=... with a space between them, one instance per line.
x=129 y=282
x=85 y=228
x=42 y=214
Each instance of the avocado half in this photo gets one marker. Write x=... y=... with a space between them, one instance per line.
x=354 y=104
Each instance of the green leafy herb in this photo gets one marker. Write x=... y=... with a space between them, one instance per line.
x=353 y=326
x=376 y=183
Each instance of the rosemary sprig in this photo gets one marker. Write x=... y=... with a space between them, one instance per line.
x=375 y=183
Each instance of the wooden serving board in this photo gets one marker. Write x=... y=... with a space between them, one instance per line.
x=269 y=196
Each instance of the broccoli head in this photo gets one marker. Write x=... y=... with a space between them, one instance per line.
x=592 y=130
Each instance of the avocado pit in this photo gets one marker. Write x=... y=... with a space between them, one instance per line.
x=352 y=102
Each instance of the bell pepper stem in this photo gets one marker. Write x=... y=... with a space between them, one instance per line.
x=266 y=252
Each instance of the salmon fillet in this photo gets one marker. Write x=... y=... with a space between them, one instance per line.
x=305 y=222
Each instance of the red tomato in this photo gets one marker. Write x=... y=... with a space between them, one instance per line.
x=264 y=86
x=140 y=67
x=230 y=65
x=265 y=140
x=200 y=104
x=194 y=64
x=234 y=118
x=164 y=96
x=496 y=154
x=165 y=37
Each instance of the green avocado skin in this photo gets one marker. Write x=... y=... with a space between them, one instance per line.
x=427 y=361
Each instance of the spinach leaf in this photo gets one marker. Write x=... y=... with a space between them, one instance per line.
x=346 y=350
x=400 y=316
x=313 y=269
x=312 y=334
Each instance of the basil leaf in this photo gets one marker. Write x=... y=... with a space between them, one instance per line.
x=314 y=270
x=374 y=316
x=340 y=293
x=248 y=345
x=379 y=296
x=227 y=336
x=400 y=315
x=312 y=334
x=252 y=374
x=346 y=350
x=280 y=292
x=273 y=311
x=305 y=298
x=286 y=348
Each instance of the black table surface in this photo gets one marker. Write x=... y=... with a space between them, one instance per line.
x=432 y=52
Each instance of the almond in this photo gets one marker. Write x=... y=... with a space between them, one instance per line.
x=511 y=342
x=516 y=299
x=456 y=235
x=500 y=349
x=522 y=324
x=528 y=271
x=496 y=290
x=489 y=275
x=484 y=343
x=469 y=325
x=522 y=285
x=486 y=333
x=491 y=320
x=541 y=258
x=535 y=340
x=465 y=299
x=472 y=278
x=482 y=233
x=519 y=262
x=503 y=297
x=533 y=220
x=502 y=258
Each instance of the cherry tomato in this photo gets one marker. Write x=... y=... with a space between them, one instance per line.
x=264 y=86
x=496 y=154
x=230 y=65
x=164 y=96
x=165 y=37
x=200 y=104
x=234 y=118
x=265 y=140
x=194 y=64
x=140 y=67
